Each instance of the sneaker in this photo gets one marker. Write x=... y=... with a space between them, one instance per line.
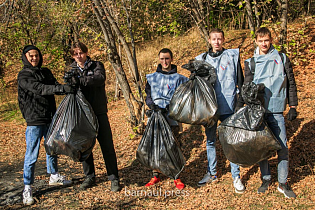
x=179 y=184
x=153 y=181
x=28 y=197
x=87 y=183
x=208 y=178
x=286 y=190
x=264 y=186
x=238 y=185
x=115 y=185
x=59 y=180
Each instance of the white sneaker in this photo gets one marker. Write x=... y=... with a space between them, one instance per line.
x=238 y=185
x=59 y=180
x=28 y=197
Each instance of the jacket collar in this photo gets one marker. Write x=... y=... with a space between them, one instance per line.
x=215 y=54
x=270 y=51
x=87 y=64
x=173 y=69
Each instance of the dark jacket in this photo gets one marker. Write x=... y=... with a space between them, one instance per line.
x=36 y=89
x=92 y=84
x=291 y=85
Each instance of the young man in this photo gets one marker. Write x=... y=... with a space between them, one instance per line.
x=90 y=77
x=229 y=81
x=36 y=89
x=160 y=88
x=274 y=70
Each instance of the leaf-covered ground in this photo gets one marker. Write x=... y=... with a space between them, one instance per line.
x=134 y=195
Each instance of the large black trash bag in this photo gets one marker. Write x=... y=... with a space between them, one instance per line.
x=194 y=102
x=157 y=148
x=73 y=129
x=245 y=137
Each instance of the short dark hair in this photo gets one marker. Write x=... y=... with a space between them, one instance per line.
x=166 y=50
x=216 y=30
x=262 y=31
x=79 y=45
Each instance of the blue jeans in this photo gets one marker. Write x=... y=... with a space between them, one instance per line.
x=33 y=136
x=277 y=125
x=211 y=134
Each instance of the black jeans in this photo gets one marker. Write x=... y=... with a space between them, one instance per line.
x=105 y=139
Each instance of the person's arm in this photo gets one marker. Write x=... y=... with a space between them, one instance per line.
x=291 y=85
x=148 y=99
x=28 y=81
x=97 y=79
x=240 y=81
x=249 y=76
x=248 y=79
x=291 y=90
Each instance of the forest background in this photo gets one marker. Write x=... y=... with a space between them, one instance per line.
x=126 y=36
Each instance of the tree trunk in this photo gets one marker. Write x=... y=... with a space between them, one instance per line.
x=196 y=13
x=114 y=59
x=250 y=18
x=283 y=20
x=257 y=15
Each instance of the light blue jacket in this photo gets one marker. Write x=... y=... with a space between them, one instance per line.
x=226 y=84
x=269 y=70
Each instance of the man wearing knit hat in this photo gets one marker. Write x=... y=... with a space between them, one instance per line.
x=36 y=89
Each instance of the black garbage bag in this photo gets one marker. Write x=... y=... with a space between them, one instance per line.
x=251 y=116
x=73 y=129
x=194 y=102
x=245 y=137
x=202 y=69
x=157 y=148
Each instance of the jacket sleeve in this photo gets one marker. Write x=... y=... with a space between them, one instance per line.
x=249 y=76
x=28 y=81
x=248 y=79
x=240 y=81
x=97 y=79
x=291 y=85
x=148 y=99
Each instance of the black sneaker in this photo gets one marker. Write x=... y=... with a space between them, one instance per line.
x=115 y=185
x=264 y=186
x=87 y=183
x=286 y=190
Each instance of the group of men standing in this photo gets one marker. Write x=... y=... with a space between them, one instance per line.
x=37 y=87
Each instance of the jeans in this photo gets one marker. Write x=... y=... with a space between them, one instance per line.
x=277 y=125
x=211 y=134
x=105 y=139
x=33 y=137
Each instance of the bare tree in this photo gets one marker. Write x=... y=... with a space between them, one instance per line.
x=198 y=15
x=6 y=10
x=108 y=25
x=250 y=17
x=284 y=21
x=257 y=14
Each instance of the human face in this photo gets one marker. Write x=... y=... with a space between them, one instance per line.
x=166 y=61
x=33 y=57
x=264 y=43
x=79 y=56
x=216 y=41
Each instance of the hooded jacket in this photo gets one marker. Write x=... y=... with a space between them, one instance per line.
x=92 y=84
x=278 y=77
x=36 y=89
